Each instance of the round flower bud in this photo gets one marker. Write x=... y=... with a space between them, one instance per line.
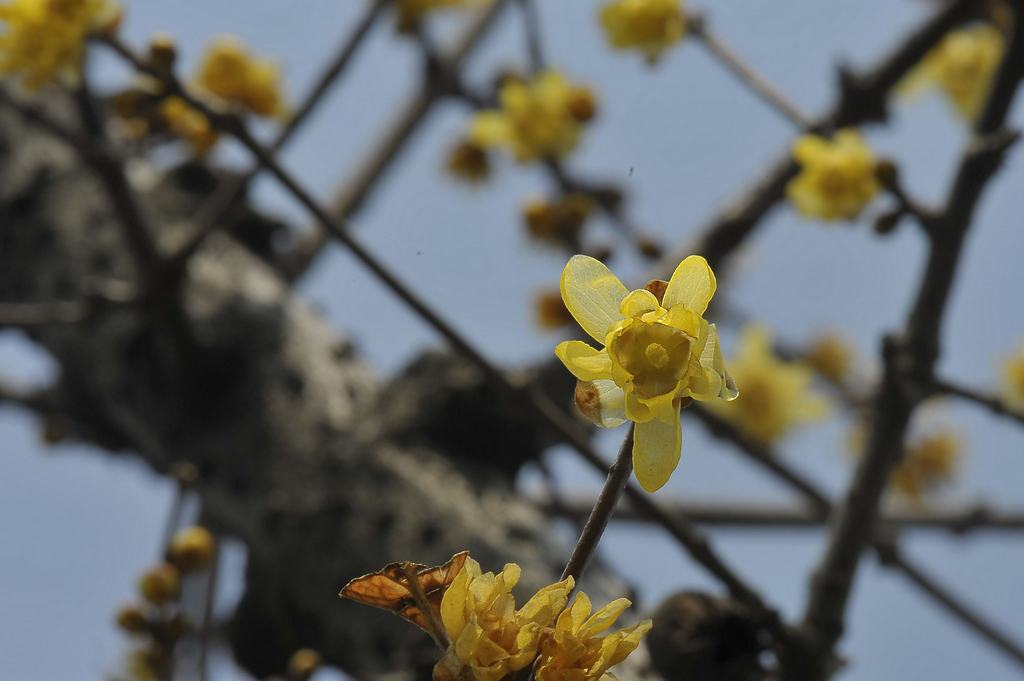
x=887 y=173
x=551 y=310
x=582 y=105
x=303 y=663
x=132 y=619
x=469 y=162
x=192 y=548
x=160 y=584
x=162 y=51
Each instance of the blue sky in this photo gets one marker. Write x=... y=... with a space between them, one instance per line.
x=78 y=524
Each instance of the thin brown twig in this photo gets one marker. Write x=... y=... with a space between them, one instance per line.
x=601 y=513
x=749 y=75
x=862 y=99
x=909 y=362
x=354 y=191
x=215 y=208
x=990 y=402
x=784 y=516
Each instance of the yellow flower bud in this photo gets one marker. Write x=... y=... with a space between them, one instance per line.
x=160 y=584
x=192 y=548
x=831 y=357
x=469 y=162
x=132 y=619
x=303 y=663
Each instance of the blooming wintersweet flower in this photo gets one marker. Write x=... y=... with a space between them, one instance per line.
x=652 y=26
x=489 y=637
x=658 y=352
x=776 y=395
x=575 y=652
x=45 y=39
x=963 y=65
x=538 y=119
x=229 y=72
x=837 y=177
x=927 y=463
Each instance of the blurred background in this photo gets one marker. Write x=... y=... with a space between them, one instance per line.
x=76 y=524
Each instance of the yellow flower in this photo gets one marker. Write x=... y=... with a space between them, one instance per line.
x=963 y=65
x=831 y=357
x=45 y=39
x=651 y=26
x=927 y=464
x=188 y=124
x=574 y=652
x=776 y=394
x=837 y=177
x=659 y=352
x=1013 y=381
x=411 y=11
x=231 y=73
x=542 y=119
x=490 y=638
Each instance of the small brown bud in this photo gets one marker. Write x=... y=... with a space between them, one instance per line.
x=185 y=473
x=601 y=252
x=573 y=211
x=582 y=105
x=132 y=619
x=649 y=248
x=56 y=428
x=469 y=162
x=551 y=310
x=160 y=584
x=887 y=173
x=886 y=222
x=658 y=288
x=303 y=663
x=192 y=548
x=541 y=219
x=163 y=51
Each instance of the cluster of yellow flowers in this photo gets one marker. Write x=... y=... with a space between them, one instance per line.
x=837 y=177
x=539 y=119
x=962 y=66
x=927 y=463
x=659 y=354
x=228 y=77
x=45 y=39
x=490 y=638
x=651 y=26
x=1013 y=381
x=777 y=395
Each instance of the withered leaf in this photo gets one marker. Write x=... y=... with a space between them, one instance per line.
x=391 y=589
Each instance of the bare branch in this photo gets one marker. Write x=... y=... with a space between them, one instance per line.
x=990 y=402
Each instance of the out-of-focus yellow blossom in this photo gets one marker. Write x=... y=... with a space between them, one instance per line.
x=192 y=548
x=542 y=119
x=160 y=584
x=411 y=11
x=963 y=65
x=231 y=73
x=490 y=638
x=831 y=356
x=837 y=177
x=574 y=652
x=188 y=124
x=45 y=39
x=651 y=26
x=777 y=395
x=927 y=463
x=303 y=663
x=659 y=353
x=1013 y=381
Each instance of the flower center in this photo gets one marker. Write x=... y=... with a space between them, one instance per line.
x=656 y=356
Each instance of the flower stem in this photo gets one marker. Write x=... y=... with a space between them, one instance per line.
x=618 y=476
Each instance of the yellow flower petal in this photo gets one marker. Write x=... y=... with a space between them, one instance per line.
x=545 y=605
x=692 y=285
x=593 y=295
x=585 y=363
x=656 y=447
x=602 y=402
x=605 y=617
x=639 y=302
